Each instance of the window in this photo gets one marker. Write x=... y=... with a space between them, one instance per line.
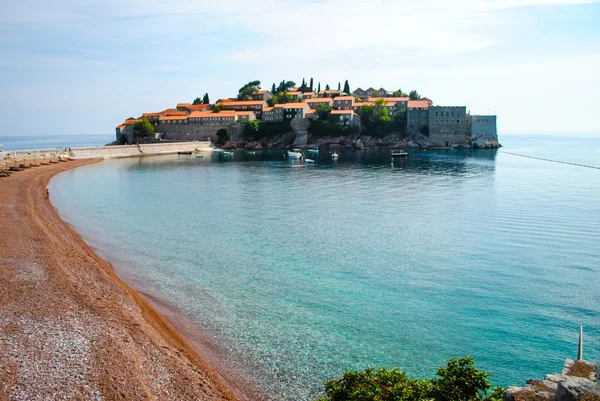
x=436 y=114
x=447 y=113
x=452 y=113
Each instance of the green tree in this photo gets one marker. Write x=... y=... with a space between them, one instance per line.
x=197 y=101
x=289 y=85
x=311 y=88
x=346 y=87
x=220 y=107
x=206 y=99
x=273 y=89
x=246 y=91
x=323 y=111
x=222 y=136
x=414 y=95
x=376 y=384
x=460 y=380
x=143 y=128
x=319 y=89
x=303 y=87
x=339 y=86
x=327 y=87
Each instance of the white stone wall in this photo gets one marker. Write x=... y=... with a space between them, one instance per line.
x=484 y=126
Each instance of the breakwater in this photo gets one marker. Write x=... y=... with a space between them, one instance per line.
x=111 y=152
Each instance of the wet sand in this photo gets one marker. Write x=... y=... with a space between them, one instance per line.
x=70 y=328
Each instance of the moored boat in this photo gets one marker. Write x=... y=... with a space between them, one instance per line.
x=399 y=153
x=295 y=154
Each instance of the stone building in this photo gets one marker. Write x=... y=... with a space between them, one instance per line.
x=448 y=125
x=417 y=116
x=262 y=95
x=256 y=106
x=293 y=110
x=271 y=114
x=319 y=101
x=348 y=117
x=343 y=103
x=483 y=126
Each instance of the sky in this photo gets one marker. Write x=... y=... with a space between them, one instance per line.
x=73 y=67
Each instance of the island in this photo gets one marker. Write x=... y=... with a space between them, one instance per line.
x=290 y=115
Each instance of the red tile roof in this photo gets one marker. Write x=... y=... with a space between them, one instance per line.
x=291 y=105
x=198 y=107
x=388 y=99
x=244 y=113
x=165 y=118
x=129 y=121
x=412 y=104
x=342 y=111
x=223 y=113
x=318 y=100
x=344 y=98
x=150 y=114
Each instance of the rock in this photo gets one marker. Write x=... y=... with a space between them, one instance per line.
x=580 y=369
x=525 y=394
x=358 y=144
x=577 y=388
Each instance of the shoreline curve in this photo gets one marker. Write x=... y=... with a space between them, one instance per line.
x=70 y=326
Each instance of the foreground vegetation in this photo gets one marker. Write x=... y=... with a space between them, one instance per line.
x=460 y=380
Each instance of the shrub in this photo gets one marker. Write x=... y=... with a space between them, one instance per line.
x=460 y=380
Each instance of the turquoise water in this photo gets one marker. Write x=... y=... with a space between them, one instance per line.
x=302 y=272
x=32 y=142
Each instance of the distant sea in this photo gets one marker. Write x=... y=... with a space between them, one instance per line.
x=52 y=141
x=299 y=272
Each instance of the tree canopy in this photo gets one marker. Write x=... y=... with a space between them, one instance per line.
x=205 y=99
x=460 y=380
x=143 y=128
x=222 y=136
x=346 y=87
x=246 y=91
x=414 y=95
x=220 y=107
x=197 y=101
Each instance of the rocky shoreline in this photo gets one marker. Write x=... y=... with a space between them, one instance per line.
x=357 y=142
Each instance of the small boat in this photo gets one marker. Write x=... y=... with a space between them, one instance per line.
x=334 y=155
x=199 y=157
x=295 y=154
x=251 y=153
x=313 y=150
x=228 y=153
x=309 y=160
x=185 y=153
x=399 y=153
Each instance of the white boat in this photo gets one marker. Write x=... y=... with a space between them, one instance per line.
x=295 y=154
x=334 y=155
x=314 y=150
x=309 y=160
x=399 y=153
x=228 y=153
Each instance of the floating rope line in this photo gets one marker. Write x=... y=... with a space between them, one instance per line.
x=551 y=160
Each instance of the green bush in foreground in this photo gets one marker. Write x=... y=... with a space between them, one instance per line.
x=460 y=380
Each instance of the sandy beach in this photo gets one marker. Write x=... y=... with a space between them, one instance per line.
x=70 y=328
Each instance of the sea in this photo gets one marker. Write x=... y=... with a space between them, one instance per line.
x=299 y=272
x=33 y=142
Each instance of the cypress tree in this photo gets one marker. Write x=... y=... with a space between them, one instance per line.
x=346 y=87
x=205 y=99
x=311 y=84
x=319 y=90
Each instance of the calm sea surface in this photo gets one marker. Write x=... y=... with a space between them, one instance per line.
x=31 y=142
x=300 y=272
